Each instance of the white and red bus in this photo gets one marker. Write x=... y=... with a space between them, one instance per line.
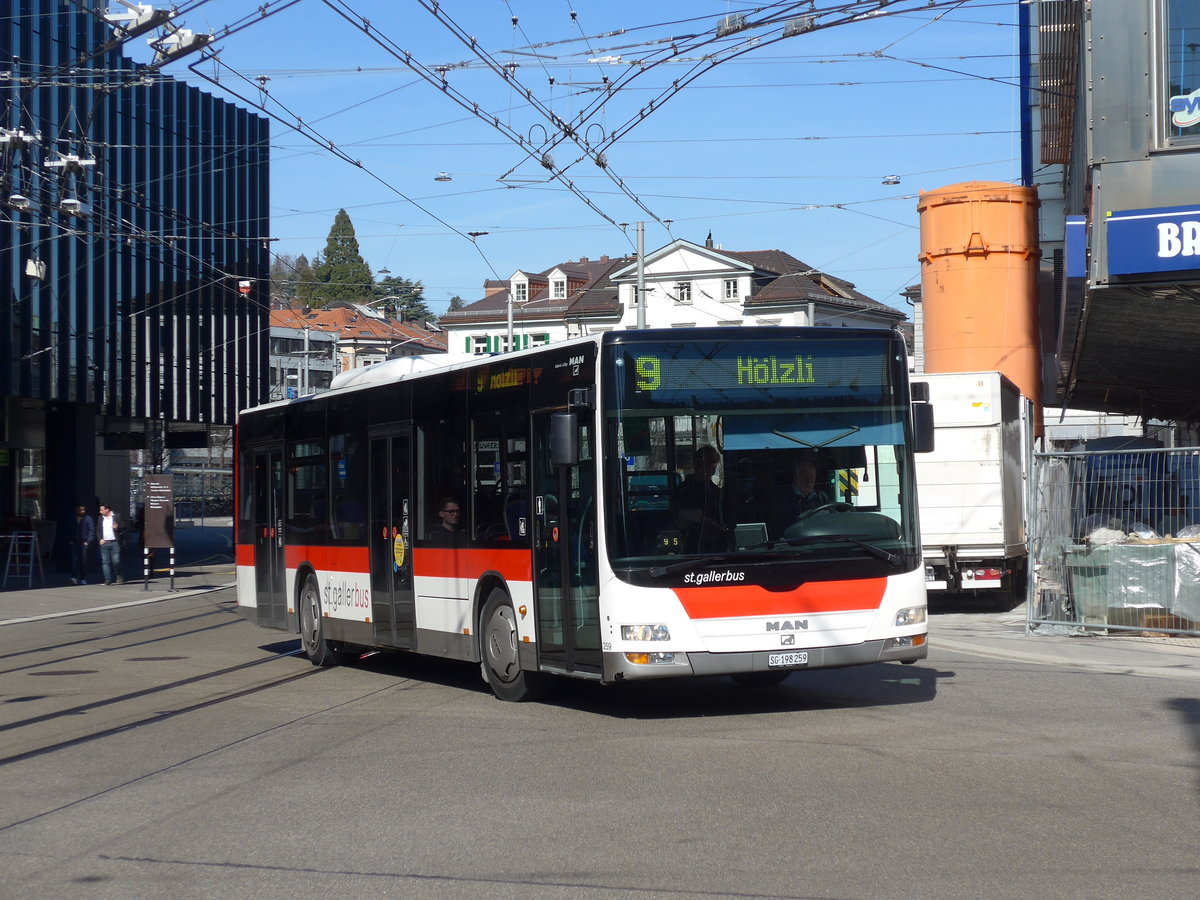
x=628 y=508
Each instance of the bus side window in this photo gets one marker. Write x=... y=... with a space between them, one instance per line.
x=442 y=444
x=307 y=503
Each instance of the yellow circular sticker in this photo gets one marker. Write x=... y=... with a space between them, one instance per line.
x=398 y=549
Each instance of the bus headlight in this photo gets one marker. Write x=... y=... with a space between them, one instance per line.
x=902 y=643
x=645 y=633
x=649 y=659
x=914 y=615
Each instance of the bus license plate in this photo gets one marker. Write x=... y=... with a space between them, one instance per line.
x=795 y=658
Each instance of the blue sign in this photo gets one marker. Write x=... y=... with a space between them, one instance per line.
x=1146 y=241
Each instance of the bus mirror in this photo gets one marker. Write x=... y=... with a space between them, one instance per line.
x=581 y=398
x=564 y=439
x=922 y=427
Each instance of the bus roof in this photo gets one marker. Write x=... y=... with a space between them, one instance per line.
x=404 y=367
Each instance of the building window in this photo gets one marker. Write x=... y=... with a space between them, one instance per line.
x=731 y=290
x=1182 y=76
x=558 y=289
x=520 y=291
x=477 y=344
x=683 y=292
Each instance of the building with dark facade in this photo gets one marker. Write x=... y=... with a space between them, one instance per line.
x=133 y=258
x=1115 y=155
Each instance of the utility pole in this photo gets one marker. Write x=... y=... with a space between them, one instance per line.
x=641 y=275
x=510 y=320
x=304 y=368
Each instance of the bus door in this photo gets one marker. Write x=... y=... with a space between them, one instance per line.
x=268 y=538
x=565 y=576
x=390 y=542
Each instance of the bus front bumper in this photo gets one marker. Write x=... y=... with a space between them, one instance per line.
x=618 y=667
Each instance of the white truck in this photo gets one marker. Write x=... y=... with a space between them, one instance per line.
x=971 y=489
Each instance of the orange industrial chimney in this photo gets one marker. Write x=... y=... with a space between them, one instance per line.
x=979 y=263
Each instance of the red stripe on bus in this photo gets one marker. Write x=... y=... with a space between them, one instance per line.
x=436 y=562
x=726 y=601
x=329 y=559
x=245 y=554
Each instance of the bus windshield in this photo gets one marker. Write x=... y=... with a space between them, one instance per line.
x=756 y=449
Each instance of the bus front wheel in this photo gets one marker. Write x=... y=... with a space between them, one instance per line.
x=320 y=650
x=498 y=652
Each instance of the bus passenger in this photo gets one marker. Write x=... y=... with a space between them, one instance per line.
x=448 y=532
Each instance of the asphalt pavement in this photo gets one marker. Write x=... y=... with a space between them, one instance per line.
x=204 y=562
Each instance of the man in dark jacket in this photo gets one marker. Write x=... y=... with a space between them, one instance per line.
x=82 y=539
x=799 y=496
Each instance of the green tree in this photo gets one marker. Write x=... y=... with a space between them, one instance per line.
x=456 y=303
x=283 y=278
x=306 y=282
x=340 y=272
x=408 y=301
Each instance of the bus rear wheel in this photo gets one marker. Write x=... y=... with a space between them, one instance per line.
x=498 y=654
x=320 y=650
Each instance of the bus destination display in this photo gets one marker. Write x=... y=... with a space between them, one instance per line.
x=756 y=368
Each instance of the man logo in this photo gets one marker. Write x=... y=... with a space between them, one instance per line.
x=788 y=625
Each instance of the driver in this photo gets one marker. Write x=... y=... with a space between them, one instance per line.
x=800 y=495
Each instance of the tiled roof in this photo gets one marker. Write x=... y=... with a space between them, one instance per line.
x=597 y=294
x=349 y=324
x=780 y=278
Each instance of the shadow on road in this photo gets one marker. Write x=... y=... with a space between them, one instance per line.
x=884 y=684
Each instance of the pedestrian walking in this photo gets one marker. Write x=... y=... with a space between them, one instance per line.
x=109 y=534
x=83 y=536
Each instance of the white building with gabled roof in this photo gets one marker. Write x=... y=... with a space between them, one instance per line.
x=687 y=285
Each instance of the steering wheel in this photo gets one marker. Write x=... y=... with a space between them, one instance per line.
x=836 y=506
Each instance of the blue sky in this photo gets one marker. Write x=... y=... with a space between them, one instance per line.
x=784 y=146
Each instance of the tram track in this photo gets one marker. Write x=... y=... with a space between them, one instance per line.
x=77 y=642
x=124 y=672
x=64 y=659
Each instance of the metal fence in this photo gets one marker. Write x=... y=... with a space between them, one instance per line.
x=1115 y=541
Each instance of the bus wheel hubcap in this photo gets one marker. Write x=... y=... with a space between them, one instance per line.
x=502 y=644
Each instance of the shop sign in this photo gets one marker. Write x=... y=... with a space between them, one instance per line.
x=1147 y=241
x=1185 y=109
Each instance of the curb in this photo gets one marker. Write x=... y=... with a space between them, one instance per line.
x=1164 y=671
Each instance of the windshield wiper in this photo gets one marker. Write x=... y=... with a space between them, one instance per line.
x=886 y=555
x=660 y=571
x=736 y=557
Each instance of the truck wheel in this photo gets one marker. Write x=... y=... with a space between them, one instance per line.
x=320 y=650
x=498 y=652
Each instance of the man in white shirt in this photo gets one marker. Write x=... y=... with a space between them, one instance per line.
x=108 y=532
